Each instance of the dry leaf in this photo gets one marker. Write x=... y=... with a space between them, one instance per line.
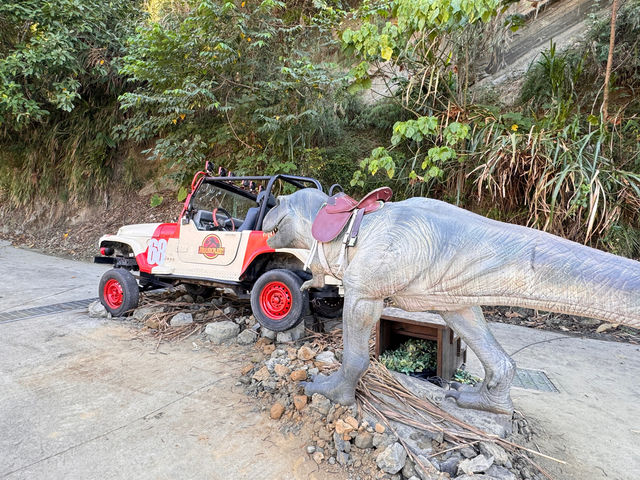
x=604 y=327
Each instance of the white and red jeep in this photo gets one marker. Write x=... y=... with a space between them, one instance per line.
x=218 y=243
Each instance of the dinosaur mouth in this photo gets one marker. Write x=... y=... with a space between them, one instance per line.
x=272 y=231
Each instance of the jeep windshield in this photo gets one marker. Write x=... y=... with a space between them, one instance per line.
x=210 y=196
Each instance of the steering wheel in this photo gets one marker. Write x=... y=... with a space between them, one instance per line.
x=222 y=224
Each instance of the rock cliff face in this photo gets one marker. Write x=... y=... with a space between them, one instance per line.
x=561 y=21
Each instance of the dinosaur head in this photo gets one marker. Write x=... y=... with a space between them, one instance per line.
x=290 y=220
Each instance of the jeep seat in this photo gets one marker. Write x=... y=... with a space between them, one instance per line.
x=252 y=214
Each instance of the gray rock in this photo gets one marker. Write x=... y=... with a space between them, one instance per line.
x=270 y=385
x=142 y=313
x=326 y=357
x=188 y=298
x=284 y=337
x=270 y=334
x=273 y=361
x=409 y=469
x=500 y=473
x=489 y=449
x=247 y=337
x=413 y=477
x=341 y=444
x=277 y=353
x=291 y=335
x=181 y=319
x=392 y=459
x=332 y=460
x=383 y=440
x=97 y=310
x=229 y=311
x=320 y=403
x=477 y=464
x=468 y=452
x=416 y=441
x=221 y=332
x=364 y=440
x=421 y=472
x=475 y=477
x=342 y=458
x=313 y=372
x=311 y=449
x=450 y=465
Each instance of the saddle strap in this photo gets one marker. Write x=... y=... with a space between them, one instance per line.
x=355 y=227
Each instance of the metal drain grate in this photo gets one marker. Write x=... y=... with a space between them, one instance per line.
x=533 y=380
x=23 y=314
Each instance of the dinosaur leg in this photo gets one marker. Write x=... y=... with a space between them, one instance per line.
x=493 y=394
x=359 y=316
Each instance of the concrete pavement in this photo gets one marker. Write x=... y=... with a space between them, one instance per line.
x=593 y=422
x=91 y=399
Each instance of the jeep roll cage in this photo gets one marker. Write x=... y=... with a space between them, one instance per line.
x=226 y=182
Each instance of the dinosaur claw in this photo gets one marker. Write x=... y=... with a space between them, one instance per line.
x=452 y=394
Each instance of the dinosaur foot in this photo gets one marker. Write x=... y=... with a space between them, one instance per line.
x=335 y=387
x=479 y=398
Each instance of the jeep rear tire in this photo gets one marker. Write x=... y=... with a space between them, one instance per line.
x=276 y=300
x=119 y=291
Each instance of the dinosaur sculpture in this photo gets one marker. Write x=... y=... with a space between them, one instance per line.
x=425 y=254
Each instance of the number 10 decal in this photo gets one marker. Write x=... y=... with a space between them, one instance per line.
x=157 y=251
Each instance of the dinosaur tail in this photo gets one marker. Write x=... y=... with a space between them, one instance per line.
x=566 y=277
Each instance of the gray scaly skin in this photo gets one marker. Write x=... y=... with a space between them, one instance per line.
x=425 y=254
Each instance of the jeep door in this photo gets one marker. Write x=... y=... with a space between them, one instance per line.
x=211 y=237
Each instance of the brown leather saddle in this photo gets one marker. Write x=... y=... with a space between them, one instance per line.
x=340 y=208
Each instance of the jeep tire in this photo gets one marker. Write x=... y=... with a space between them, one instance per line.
x=119 y=291
x=276 y=300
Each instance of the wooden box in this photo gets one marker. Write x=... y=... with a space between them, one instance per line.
x=396 y=326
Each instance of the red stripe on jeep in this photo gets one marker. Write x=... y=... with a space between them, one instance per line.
x=257 y=245
x=164 y=230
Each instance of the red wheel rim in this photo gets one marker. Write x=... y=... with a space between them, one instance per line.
x=275 y=300
x=113 y=293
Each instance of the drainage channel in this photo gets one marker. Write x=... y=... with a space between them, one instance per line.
x=16 y=315
x=533 y=380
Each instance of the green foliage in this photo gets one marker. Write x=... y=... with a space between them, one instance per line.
x=423 y=42
x=462 y=376
x=156 y=200
x=233 y=81
x=58 y=85
x=551 y=84
x=56 y=53
x=413 y=356
x=182 y=194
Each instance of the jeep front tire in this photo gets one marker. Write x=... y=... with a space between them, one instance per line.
x=119 y=291
x=276 y=300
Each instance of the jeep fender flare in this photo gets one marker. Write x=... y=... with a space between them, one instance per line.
x=114 y=240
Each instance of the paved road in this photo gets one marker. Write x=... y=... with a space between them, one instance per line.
x=90 y=399
x=593 y=422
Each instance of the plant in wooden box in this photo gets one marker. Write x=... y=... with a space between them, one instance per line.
x=415 y=357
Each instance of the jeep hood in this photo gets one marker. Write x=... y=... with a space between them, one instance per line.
x=138 y=230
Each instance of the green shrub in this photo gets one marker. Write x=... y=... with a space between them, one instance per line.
x=58 y=88
x=413 y=356
x=234 y=82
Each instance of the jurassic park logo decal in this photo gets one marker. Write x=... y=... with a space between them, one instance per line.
x=211 y=247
